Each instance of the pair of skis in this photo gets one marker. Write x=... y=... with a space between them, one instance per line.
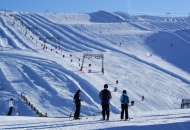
x=127 y=119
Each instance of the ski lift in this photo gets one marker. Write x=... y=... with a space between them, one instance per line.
x=115 y=89
x=142 y=98
x=132 y=103
x=116 y=81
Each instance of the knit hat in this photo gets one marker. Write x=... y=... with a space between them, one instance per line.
x=105 y=86
x=124 y=91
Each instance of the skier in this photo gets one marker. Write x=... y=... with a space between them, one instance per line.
x=77 y=101
x=124 y=99
x=105 y=96
x=10 y=107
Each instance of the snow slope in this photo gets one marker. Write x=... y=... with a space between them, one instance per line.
x=41 y=55
x=144 y=121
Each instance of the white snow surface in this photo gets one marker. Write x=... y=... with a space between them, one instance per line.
x=41 y=56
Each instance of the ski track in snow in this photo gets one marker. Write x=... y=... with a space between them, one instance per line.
x=143 y=121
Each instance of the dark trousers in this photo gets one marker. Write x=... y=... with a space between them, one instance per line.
x=124 y=109
x=105 y=110
x=77 y=111
x=10 y=111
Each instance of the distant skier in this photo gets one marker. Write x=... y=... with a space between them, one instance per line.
x=124 y=99
x=105 y=96
x=77 y=101
x=10 y=107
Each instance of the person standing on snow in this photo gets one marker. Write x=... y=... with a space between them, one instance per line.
x=10 y=107
x=124 y=99
x=105 y=96
x=77 y=101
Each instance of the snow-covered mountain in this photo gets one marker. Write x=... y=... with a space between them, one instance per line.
x=42 y=53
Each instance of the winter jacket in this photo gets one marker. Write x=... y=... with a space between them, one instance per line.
x=126 y=99
x=10 y=103
x=77 y=98
x=105 y=96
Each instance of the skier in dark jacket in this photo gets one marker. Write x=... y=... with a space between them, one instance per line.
x=77 y=101
x=124 y=99
x=10 y=107
x=105 y=96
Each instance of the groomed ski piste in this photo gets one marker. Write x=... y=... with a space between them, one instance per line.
x=41 y=57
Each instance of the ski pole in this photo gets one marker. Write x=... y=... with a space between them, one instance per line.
x=73 y=110
x=110 y=107
x=89 y=109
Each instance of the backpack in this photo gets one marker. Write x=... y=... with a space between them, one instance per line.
x=124 y=99
x=105 y=94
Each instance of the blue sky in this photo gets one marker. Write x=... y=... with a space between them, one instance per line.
x=174 y=7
